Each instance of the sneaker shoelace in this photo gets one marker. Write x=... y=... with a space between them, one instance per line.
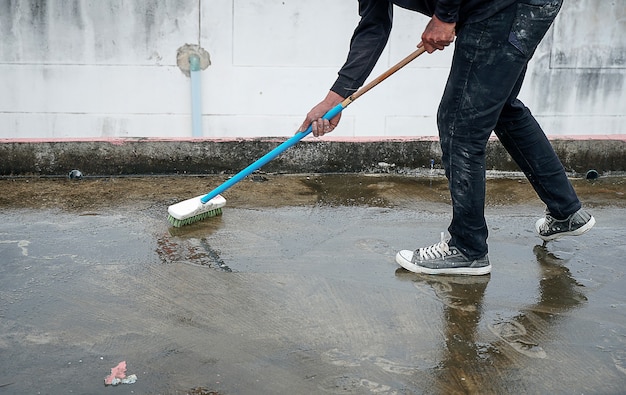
x=438 y=250
x=552 y=222
x=547 y=224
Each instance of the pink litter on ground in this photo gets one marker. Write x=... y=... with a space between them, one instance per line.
x=118 y=372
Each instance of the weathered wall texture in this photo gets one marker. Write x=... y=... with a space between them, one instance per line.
x=78 y=68
x=141 y=156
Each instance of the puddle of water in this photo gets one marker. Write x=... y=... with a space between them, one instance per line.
x=294 y=290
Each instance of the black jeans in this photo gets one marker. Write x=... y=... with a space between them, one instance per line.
x=488 y=68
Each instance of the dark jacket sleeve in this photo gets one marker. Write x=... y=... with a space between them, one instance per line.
x=448 y=10
x=367 y=43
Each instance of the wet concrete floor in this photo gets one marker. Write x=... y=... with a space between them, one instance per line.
x=294 y=290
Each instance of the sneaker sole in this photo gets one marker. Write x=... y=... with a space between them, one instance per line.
x=577 y=232
x=471 y=271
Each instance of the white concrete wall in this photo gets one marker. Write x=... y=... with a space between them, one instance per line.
x=91 y=69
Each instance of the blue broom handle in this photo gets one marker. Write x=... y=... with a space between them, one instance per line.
x=299 y=136
x=268 y=157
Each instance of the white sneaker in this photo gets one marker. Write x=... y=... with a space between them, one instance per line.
x=441 y=258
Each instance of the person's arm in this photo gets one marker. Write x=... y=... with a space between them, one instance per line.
x=367 y=44
x=438 y=35
x=441 y=30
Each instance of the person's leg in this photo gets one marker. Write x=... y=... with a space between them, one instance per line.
x=481 y=78
x=485 y=70
x=525 y=141
x=487 y=67
x=529 y=147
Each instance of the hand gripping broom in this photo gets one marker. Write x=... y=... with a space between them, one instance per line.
x=209 y=205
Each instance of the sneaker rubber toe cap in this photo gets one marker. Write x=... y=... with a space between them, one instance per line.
x=404 y=258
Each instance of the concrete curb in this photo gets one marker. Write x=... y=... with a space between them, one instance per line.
x=214 y=156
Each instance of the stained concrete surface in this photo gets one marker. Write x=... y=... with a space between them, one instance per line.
x=294 y=290
x=130 y=156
